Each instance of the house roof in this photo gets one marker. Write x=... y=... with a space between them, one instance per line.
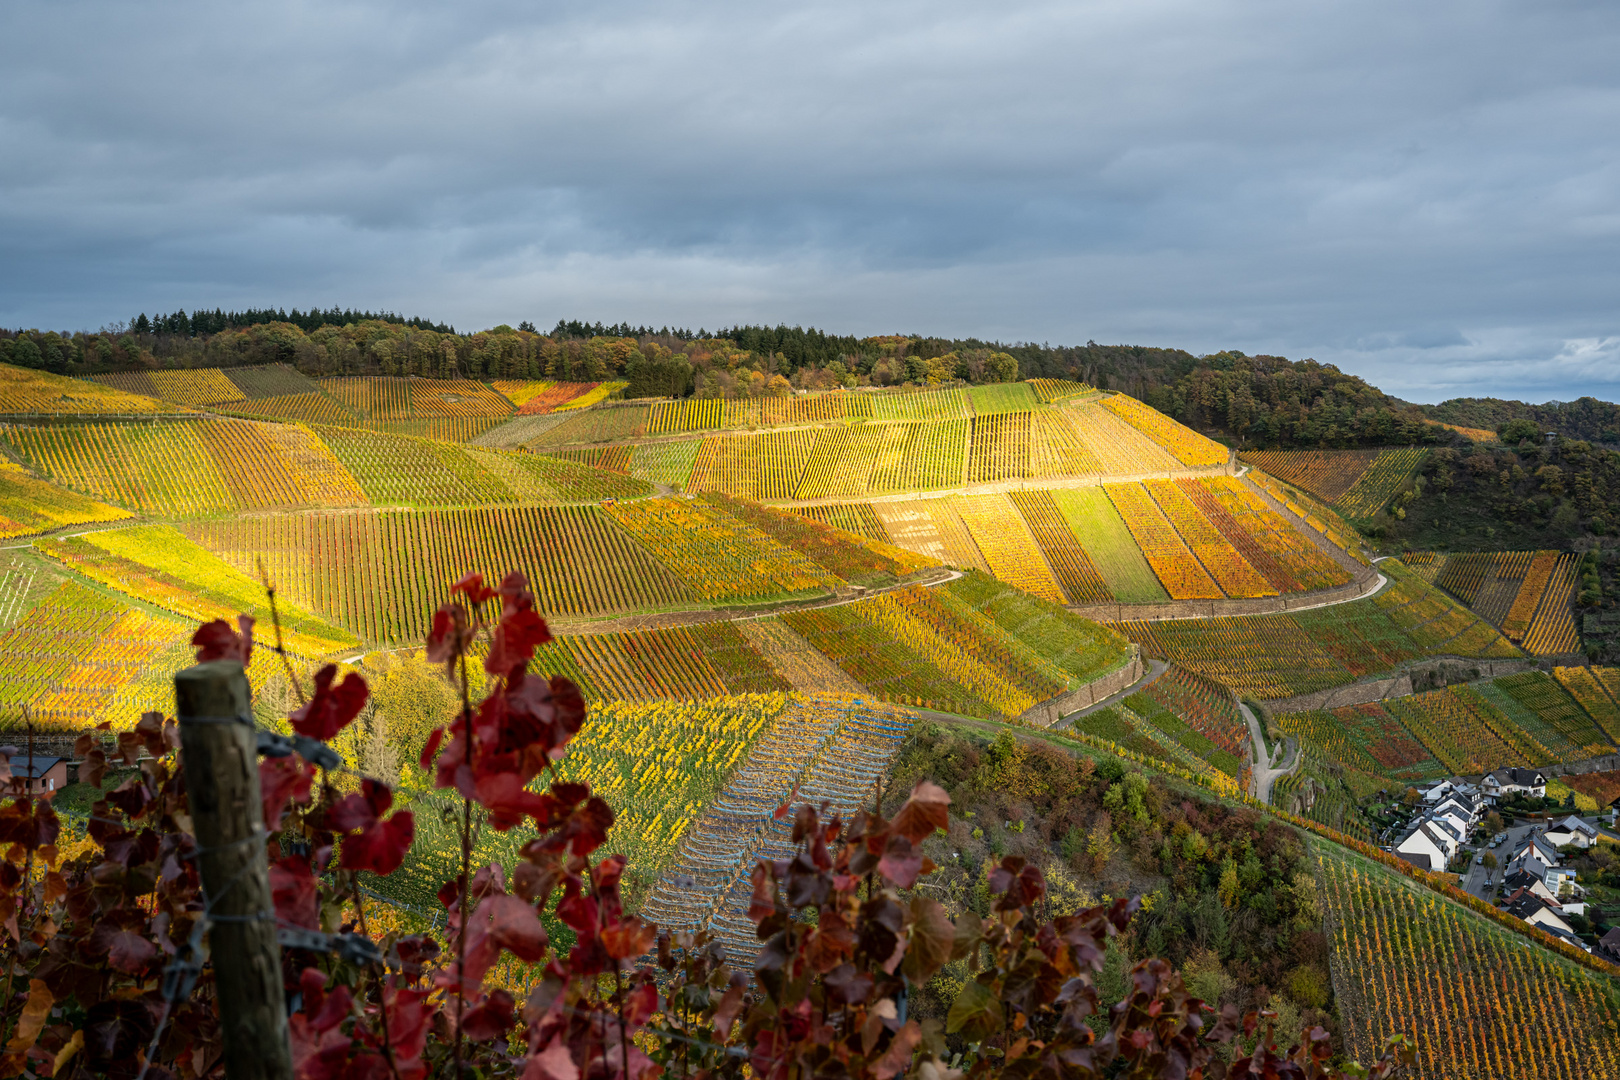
x=1446 y=826
x=1573 y=824
x=1419 y=859
x=1612 y=937
x=32 y=768
x=1521 y=777
x=1516 y=878
x=1525 y=904
x=1533 y=868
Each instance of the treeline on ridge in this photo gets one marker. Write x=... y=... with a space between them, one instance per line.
x=1252 y=401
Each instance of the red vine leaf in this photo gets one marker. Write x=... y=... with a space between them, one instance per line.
x=928 y=809
x=292 y=887
x=332 y=708
x=281 y=781
x=217 y=641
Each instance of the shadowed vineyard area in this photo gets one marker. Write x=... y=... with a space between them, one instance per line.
x=899 y=718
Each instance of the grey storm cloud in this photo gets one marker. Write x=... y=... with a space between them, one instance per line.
x=1427 y=195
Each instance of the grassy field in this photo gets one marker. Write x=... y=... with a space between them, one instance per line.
x=1109 y=543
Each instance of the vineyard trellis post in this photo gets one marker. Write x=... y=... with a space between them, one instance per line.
x=219 y=744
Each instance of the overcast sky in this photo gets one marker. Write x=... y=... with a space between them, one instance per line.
x=1427 y=195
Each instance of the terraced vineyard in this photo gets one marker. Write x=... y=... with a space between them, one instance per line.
x=29 y=506
x=1186 y=445
x=157 y=565
x=1528 y=594
x=1275 y=656
x=1316 y=515
x=823 y=750
x=818 y=569
x=1518 y=720
x=1405 y=959
x=1357 y=483
x=63 y=661
x=719 y=557
x=1197 y=714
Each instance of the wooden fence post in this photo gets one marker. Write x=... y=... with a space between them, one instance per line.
x=218 y=744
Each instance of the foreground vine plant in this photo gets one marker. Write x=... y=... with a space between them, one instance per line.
x=105 y=974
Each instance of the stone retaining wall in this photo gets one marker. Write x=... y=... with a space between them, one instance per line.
x=1392 y=686
x=1363 y=585
x=1607 y=763
x=1052 y=710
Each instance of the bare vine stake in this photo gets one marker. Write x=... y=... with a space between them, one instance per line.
x=275 y=620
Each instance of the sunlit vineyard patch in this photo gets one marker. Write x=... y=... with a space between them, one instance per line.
x=1009 y=549
x=922 y=648
x=1119 y=448
x=1000 y=398
x=74 y=629
x=920 y=405
x=158 y=565
x=1273 y=656
x=1083 y=649
x=795 y=659
x=1316 y=515
x=1109 y=544
x=1289 y=561
x=29 y=506
x=1183 y=576
x=1183 y=443
x=1224 y=562
x=1050 y=391
x=1209 y=709
x=857 y=518
x=718 y=556
x=380 y=575
x=1064 y=554
x=200 y=386
x=853 y=558
x=189 y=467
x=546 y=397
x=25 y=390
x=1590 y=687
x=687 y=663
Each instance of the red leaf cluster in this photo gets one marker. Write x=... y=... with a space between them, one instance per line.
x=332 y=708
x=372 y=843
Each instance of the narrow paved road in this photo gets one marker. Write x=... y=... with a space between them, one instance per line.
x=1266 y=770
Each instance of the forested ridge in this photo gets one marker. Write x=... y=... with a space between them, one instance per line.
x=1251 y=401
x=1255 y=401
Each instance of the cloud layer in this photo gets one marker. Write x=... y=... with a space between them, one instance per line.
x=1428 y=195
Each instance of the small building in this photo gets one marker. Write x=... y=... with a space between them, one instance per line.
x=1534 y=847
x=1572 y=831
x=33 y=775
x=1428 y=844
x=1502 y=783
x=1516 y=877
x=1609 y=945
x=1537 y=912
